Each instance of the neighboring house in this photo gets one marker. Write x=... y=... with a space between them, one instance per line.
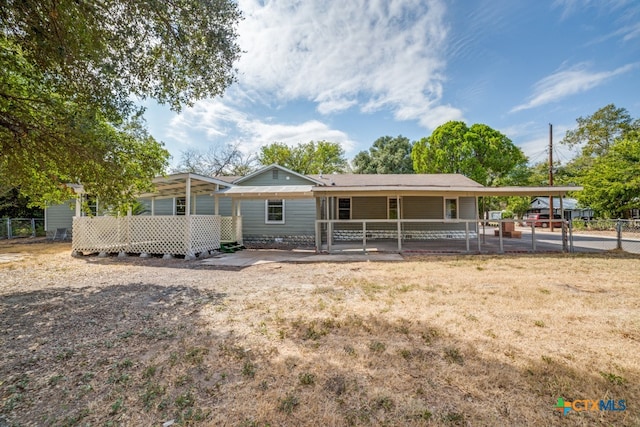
x=568 y=206
x=277 y=207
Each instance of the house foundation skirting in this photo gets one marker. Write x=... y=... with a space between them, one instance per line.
x=350 y=235
x=175 y=235
x=278 y=241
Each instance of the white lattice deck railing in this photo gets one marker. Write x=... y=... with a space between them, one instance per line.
x=231 y=229
x=175 y=235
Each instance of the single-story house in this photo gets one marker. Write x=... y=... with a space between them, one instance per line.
x=569 y=207
x=189 y=214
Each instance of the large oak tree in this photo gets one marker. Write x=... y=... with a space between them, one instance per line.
x=607 y=162
x=386 y=155
x=612 y=183
x=70 y=71
x=478 y=152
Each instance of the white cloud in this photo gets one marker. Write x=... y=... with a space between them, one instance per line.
x=568 y=82
x=342 y=54
x=218 y=120
x=369 y=55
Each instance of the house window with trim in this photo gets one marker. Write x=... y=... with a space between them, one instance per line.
x=181 y=205
x=451 y=208
x=392 y=208
x=274 y=212
x=344 y=208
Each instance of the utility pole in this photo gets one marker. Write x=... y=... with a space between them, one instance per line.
x=550 y=176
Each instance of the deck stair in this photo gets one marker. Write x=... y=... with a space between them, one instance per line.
x=231 y=247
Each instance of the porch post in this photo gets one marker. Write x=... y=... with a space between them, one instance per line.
x=153 y=206
x=318 y=237
x=187 y=216
x=565 y=246
x=78 y=205
x=187 y=201
x=533 y=236
x=478 y=223
x=364 y=236
x=484 y=222
x=466 y=234
x=216 y=201
x=398 y=204
x=329 y=203
x=237 y=223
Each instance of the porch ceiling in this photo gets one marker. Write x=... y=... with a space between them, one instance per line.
x=176 y=185
x=527 y=191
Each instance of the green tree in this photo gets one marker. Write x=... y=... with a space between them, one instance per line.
x=612 y=184
x=596 y=133
x=69 y=73
x=310 y=158
x=48 y=141
x=478 y=152
x=604 y=138
x=103 y=51
x=15 y=205
x=386 y=155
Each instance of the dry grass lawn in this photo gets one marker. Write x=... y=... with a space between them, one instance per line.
x=457 y=340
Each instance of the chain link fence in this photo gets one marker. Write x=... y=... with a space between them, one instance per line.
x=11 y=228
x=608 y=234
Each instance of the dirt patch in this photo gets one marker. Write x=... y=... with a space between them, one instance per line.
x=459 y=340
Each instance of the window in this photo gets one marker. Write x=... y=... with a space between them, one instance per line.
x=450 y=208
x=181 y=205
x=392 y=205
x=274 y=212
x=274 y=174
x=90 y=206
x=344 y=208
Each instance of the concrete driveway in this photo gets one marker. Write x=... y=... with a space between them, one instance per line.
x=251 y=257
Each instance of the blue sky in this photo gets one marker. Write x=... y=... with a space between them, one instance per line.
x=353 y=71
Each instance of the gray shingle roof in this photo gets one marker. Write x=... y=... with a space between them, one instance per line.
x=396 y=180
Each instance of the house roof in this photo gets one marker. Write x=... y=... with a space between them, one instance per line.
x=384 y=184
x=342 y=185
x=395 y=180
x=229 y=178
x=543 y=202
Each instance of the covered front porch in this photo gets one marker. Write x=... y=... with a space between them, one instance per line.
x=426 y=219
